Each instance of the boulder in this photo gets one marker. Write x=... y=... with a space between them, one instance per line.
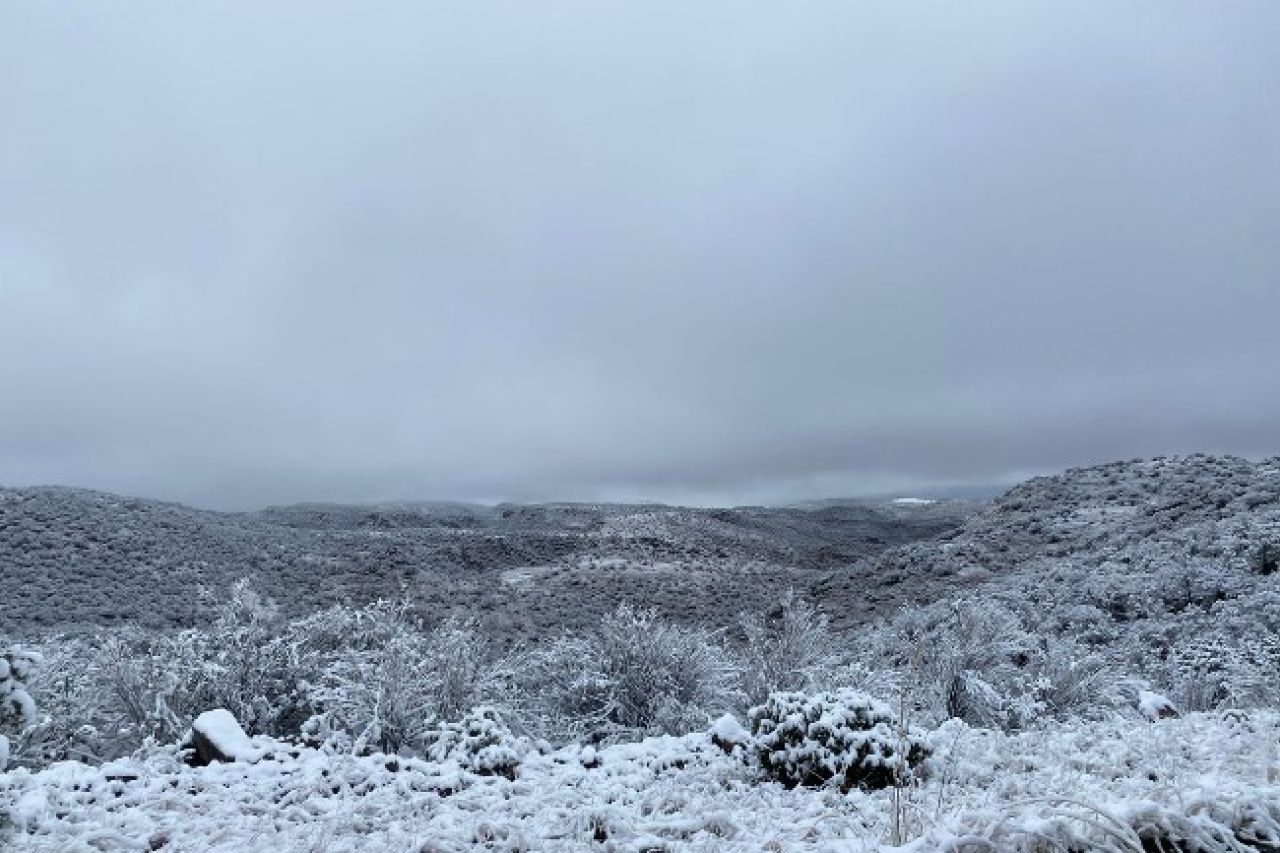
x=1155 y=707
x=216 y=736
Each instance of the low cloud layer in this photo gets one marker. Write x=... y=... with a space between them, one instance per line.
x=258 y=253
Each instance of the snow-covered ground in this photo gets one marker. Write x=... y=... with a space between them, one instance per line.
x=1083 y=786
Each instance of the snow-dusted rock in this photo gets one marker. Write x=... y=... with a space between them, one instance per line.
x=729 y=734
x=1155 y=707
x=216 y=736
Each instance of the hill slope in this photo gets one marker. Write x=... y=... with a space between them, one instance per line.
x=74 y=558
x=1085 y=534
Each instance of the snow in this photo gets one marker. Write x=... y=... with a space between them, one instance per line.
x=1154 y=706
x=222 y=730
x=729 y=730
x=1085 y=783
x=914 y=501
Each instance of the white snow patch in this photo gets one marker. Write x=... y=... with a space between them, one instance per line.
x=727 y=728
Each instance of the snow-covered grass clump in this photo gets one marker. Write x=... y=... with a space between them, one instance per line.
x=1205 y=782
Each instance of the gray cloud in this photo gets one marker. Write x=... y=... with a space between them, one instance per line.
x=255 y=253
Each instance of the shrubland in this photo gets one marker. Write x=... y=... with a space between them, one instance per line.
x=1102 y=665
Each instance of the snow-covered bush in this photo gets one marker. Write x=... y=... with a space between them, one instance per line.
x=100 y=697
x=844 y=738
x=78 y=716
x=383 y=680
x=560 y=691
x=784 y=650
x=461 y=666
x=975 y=660
x=368 y=674
x=635 y=674
x=663 y=677
x=150 y=679
x=479 y=742
x=243 y=661
x=377 y=688
x=970 y=659
x=249 y=667
x=1225 y=667
x=1267 y=559
x=17 y=708
x=1075 y=682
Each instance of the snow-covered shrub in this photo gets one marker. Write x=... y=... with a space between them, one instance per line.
x=460 y=660
x=1074 y=682
x=784 y=649
x=101 y=697
x=1267 y=559
x=560 y=691
x=250 y=668
x=377 y=688
x=663 y=678
x=479 y=742
x=1223 y=668
x=974 y=660
x=368 y=673
x=844 y=738
x=635 y=674
x=17 y=708
x=149 y=678
x=383 y=680
x=243 y=661
x=975 y=700
x=78 y=716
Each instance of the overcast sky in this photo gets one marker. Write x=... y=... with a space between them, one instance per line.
x=716 y=251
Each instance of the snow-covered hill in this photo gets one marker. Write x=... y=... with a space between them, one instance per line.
x=1122 y=537
x=73 y=558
